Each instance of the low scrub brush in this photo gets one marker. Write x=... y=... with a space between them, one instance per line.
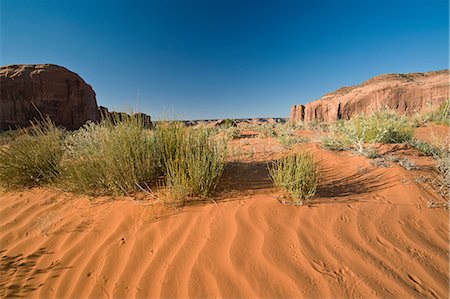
x=296 y=174
x=33 y=158
x=195 y=165
x=113 y=157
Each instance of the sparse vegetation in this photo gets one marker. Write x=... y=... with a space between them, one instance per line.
x=296 y=174
x=33 y=158
x=438 y=116
x=115 y=156
x=407 y=163
x=363 y=131
x=333 y=142
x=196 y=165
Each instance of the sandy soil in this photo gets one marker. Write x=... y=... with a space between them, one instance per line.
x=368 y=233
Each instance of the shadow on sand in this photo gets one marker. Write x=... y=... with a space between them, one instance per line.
x=19 y=274
x=334 y=188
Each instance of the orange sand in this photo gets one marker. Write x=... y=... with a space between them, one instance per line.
x=368 y=233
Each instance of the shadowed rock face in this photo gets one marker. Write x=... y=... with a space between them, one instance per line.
x=51 y=89
x=404 y=93
x=119 y=116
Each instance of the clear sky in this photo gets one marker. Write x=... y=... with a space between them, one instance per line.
x=225 y=59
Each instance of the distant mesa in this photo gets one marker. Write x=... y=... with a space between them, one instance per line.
x=29 y=90
x=119 y=116
x=404 y=93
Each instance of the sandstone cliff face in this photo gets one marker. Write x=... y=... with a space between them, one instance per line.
x=26 y=90
x=404 y=93
x=118 y=116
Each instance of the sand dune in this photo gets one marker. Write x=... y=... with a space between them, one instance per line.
x=368 y=233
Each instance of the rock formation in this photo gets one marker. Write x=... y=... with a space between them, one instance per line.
x=29 y=90
x=404 y=93
x=118 y=116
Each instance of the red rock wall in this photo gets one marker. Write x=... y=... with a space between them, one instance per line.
x=51 y=89
x=404 y=93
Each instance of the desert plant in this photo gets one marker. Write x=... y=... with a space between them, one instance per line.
x=266 y=130
x=443 y=167
x=116 y=156
x=196 y=165
x=33 y=158
x=363 y=131
x=288 y=141
x=296 y=174
x=333 y=142
x=442 y=114
x=427 y=148
x=169 y=136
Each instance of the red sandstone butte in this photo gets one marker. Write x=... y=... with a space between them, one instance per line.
x=26 y=90
x=404 y=93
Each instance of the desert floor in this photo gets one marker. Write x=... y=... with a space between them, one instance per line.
x=371 y=231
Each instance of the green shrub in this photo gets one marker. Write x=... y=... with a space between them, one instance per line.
x=227 y=123
x=33 y=158
x=266 y=130
x=443 y=167
x=426 y=148
x=382 y=126
x=439 y=116
x=442 y=114
x=196 y=165
x=288 y=141
x=333 y=143
x=114 y=157
x=296 y=174
x=362 y=131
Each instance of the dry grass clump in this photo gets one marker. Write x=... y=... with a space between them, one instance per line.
x=438 y=116
x=296 y=174
x=363 y=131
x=33 y=158
x=194 y=161
x=117 y=156
x=114 y=157
x=443 y=167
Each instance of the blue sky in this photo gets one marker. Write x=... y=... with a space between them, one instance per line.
x=224 y=59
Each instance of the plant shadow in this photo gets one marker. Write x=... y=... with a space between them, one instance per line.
x=19 y=274
x=334 y=188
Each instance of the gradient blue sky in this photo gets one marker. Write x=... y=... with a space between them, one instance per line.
x=215 y=59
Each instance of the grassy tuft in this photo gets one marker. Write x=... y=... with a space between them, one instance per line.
x=33 y=158
x=296 y=174
x=116 y=156
x=442 y=114
x=194 y=162
x=363 y=131
x=439 y=116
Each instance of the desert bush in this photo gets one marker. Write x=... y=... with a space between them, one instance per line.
x=296 y=174
x=33 y=158
x=382 y=126
x=228 y=123
x=443 y=167
x=8 y=136
x=116 y=156
x=333 y=142
x=362 y=131
x=442 y=114
x=318 y=125
x=425 y=147
x=169 y=137
x=288 y=141
x=196 y=164
x=232 y=133
x=266 y=130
